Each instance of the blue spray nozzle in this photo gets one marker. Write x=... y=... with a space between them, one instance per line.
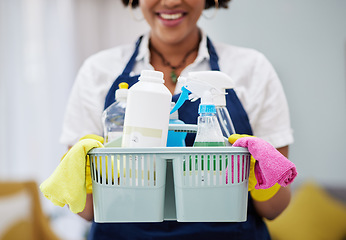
x=183 y=97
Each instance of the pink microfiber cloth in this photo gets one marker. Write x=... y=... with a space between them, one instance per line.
x=271 y=166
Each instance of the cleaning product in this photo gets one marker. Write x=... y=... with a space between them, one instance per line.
x=209 y=133
x=147 y=112
x=113 y=117
x=220 y=82
x=175 y=138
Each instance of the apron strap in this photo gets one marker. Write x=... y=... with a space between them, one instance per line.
x=132 y=61
x=214 y=59
x=124 y=77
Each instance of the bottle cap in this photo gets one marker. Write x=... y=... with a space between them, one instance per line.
x=151 y=76
x=122 y=91
x=206 y=108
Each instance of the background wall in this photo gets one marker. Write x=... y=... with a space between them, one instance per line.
x=43 y=43
x=306 y=42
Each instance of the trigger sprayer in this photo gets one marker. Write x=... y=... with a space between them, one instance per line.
x=209 y=133
x=215 y=83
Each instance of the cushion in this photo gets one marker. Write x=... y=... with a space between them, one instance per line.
x=312 y=214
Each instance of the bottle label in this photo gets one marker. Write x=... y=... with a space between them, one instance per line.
x=142 y=137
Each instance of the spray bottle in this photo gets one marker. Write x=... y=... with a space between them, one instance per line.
x=209 y=133
x=220 y=81
x=216 y=83
x=113 y=117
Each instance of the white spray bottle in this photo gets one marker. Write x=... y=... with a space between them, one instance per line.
x=216 y=83
x=209 y=132
x=220 y=81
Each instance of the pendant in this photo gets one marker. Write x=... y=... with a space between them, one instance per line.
x=173 y=76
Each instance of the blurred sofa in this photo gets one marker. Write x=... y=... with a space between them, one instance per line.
x=315 y=212
x=21 y=213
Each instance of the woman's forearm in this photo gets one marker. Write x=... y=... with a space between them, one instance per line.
x=273 y=207
x=88 y=212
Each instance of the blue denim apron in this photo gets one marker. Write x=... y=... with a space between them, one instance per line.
x=253 y=228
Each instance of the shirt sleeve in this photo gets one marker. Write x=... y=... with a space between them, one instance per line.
x=269 y=112
x=84 y=109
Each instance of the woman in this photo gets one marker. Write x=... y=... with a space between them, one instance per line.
x=175 y=46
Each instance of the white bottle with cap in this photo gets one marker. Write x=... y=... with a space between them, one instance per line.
x=147 y=112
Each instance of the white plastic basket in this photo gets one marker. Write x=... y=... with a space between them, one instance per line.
x=210 y=184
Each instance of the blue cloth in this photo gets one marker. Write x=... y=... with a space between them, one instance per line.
x=254 y=228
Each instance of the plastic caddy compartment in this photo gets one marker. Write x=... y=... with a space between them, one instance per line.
x=210 y=184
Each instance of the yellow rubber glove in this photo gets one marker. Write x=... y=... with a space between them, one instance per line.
x=257 y=194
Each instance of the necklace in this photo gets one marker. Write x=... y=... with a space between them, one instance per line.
x=167 y=63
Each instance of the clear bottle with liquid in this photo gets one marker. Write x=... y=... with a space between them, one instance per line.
x=113 y=117
x=209 y=133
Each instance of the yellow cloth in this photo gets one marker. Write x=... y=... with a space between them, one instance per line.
x=71 y=181
x=257 y=194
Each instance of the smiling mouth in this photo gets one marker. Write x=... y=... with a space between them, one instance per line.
x=174 y=16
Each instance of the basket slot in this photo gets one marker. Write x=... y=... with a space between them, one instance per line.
x=134 y=171
x=223 y=166
x=102 y=170
x=97 y=170
x=152 y=170
x=204 y=169
x=214 y=169
x=116 y=171
x=90 y=159
x=238 y=169
x=109 y=159
x=231 y=170
x=243 y=168
x=130 y=170
x=107 y=171
x=247 y=162
x=122 y=173
x=93 y=168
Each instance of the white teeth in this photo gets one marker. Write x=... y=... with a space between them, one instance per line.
x=171 y=16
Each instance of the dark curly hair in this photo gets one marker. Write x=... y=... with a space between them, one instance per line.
x=208 y=3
